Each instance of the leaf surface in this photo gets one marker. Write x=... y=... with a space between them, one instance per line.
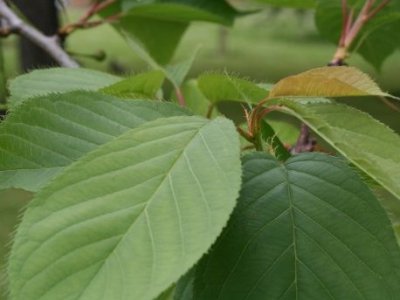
x=306 y=229
x=43 y=135
x=370 y=145
x=328 y=82
x=57 y=80
x=219 y=87
x=130 y=218
x=141 y=85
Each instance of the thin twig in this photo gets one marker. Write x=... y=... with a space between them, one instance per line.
x=48 y=44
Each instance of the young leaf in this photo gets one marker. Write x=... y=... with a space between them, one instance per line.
x=57 y=80
x=127 y=220
x=43 y=135
x=369 y=144
x=141 y=85
x=328 y=82
x=218 y=87
x=308 y=229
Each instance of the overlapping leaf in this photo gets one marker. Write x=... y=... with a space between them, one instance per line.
x=156 y=26
x=370 y=145
x=328 y=82
x=57 y=80
x=218 y=87
x=141 y=85
x=308 y=229
x=127 y=220
x=42 y=136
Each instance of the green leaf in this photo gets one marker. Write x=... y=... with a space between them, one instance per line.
x=141 y=85
x=184 y=287
x=290 y=3
x=273 y=141
x=194 y=98
x=57 y=80
x=328 y=82
x=43 y=135
x=147 y=34
x=127 y=220
x=287 y=132
x=218 y=87
x=367 y=143
x=378 y=39
x=308 y=229
x=218 y=11
x=149 y=24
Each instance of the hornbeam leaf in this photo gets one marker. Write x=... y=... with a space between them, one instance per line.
x=328 y=82
x=43 y=135
x=306 y=229
x=130 y=218
x=57 y=80
x=370 y=145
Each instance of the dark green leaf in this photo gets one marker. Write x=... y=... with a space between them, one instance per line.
x=368 y=144
x=308 y=229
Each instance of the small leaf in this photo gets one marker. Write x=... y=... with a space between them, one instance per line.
x=307 y=229
x=273 y=141
x=44 y=135
x=57 y=80
x=195 y=100
x=218 y=87
x=370 y=145
x=130 y=218
x=142 y=85
x=328 y=82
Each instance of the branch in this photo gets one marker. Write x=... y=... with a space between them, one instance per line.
x=48 y=44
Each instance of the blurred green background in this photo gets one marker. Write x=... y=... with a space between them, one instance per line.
x=264 y=47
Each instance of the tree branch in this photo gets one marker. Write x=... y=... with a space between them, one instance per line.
x=48 y=44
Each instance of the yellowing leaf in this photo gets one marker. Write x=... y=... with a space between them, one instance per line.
x=328 y=82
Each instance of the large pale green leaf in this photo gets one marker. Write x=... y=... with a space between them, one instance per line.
x=378 y=39
x=290 y=3
x=369 y=144
x=218 y=87
x=57 y=80
x=43 y=135
x=127 y=220
x=308 y=229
